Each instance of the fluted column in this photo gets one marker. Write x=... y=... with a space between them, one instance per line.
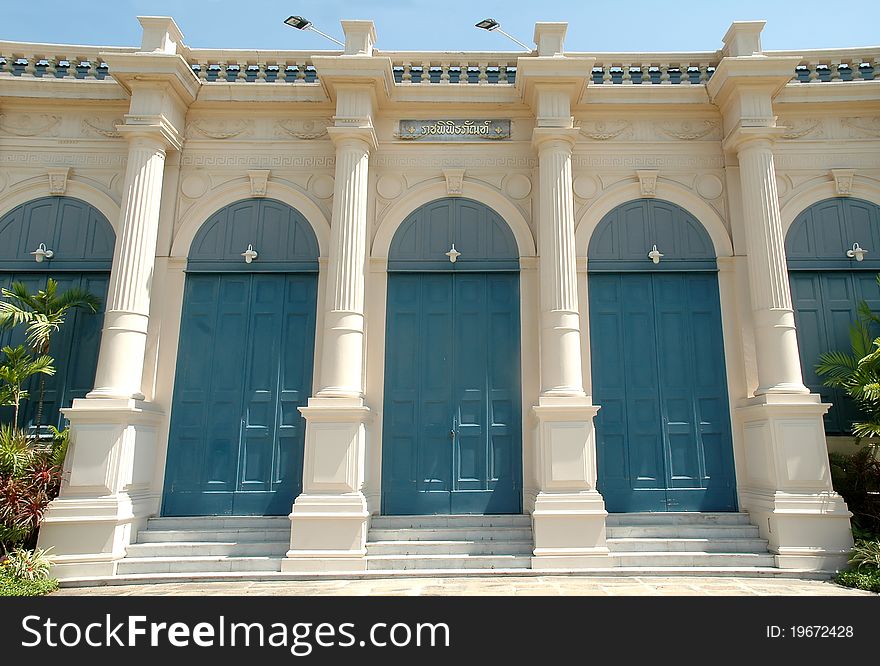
x=560 y=321
x=123 y=342
x=779 y=368
x=342 y=358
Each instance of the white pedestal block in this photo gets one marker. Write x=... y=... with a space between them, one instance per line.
x=329 y=519
x=106 y=494
x=569 y=516
x=787 y=490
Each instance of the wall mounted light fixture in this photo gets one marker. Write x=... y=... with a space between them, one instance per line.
x=250 y=254
x=655 y=255
x=42 y=253
x=858 y=253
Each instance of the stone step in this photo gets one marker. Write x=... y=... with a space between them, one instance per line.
x=451 y=547
x=715 y=545
x=452 y=534
x=208 y=548
x=682 y=532
x=219 y=523
x=403 y=563
x=677 y=518
x=458 y=521
x=218 y=564
x=281 y=535
x=654 y=560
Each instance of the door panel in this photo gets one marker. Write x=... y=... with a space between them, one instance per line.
x=244 y=366
x=663 y=430
x=452 y=433
x=825 y=306
x=74 y=347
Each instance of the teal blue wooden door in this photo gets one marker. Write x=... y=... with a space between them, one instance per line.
x=244 y=365
x=827 y=287
x=663 y=439
x=663 y=430
x=82 y=241
x=243 y=369
x=452 y=433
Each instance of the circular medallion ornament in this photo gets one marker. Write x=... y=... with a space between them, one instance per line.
x=781 y=185
x=585 y=187
x=194 y=186
x=517 y=186
x=389 y=187
x=709 y=186
x=322 y=186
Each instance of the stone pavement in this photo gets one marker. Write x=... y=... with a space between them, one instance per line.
x=488 y=586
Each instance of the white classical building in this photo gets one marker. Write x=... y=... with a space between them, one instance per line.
x=367 y=310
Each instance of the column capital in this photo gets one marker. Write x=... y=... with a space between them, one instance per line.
x=543 y=136
x=366 y=135
x=154 y=127
x=743 y=136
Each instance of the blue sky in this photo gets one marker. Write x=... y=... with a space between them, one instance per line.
x=634 y=25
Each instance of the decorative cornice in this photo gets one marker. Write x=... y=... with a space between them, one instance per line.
x=741 y=135
x=155 y=127
x=360 y=133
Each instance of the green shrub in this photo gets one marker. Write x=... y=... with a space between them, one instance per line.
x=15 y=587
x=27 y=564
x=866 y=578
x=866 y=554
x=857 y=478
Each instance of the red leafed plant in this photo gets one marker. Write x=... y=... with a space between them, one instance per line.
x=30 y=477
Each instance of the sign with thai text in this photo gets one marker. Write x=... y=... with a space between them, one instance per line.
x=454 y=130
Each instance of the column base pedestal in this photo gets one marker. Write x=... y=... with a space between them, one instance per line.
x=329 y=519
x=105 y=494
x=569 y=531
x=787 y=490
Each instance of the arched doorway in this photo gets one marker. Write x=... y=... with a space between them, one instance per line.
x=452 y=435
x=827 y=287
x=81 y=240
x=663 y=431
x=244 y=364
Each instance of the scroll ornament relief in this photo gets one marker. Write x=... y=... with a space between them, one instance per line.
x=96 y=126
x=690 y=130
x=795 y=129
x=218 y=129
x=605 y=131
x=869 y=126
x=305 y=130
x=29 y=125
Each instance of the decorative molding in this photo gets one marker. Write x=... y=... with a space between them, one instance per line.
x=869 y=126
x=27 y=124
x=632 y=161
x=259 y=181
x=709 y=186
x=843 y=179
x=517 y=186
x=647 y=182
x=454 y=178
x=689 y=130
x=93 y=126
x=246 y=160
x=58 y=180
x=826 y=161
x=194 y=186
x=322 y=186
x=219 y=129
x=601 y=131
x=798 y=129
x=305 y=130
x=389 y=186
x=78 y=160
x=443 y=161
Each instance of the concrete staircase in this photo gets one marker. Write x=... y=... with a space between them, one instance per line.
x=702 y=541
x=208 y=544
x=400 y=543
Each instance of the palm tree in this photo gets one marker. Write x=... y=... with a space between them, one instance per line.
x=857 y=372
x=18 y=367
x=43 y=314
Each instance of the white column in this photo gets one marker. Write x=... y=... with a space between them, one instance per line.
x=329 y=518
x=560 y=321
x=779 y=368
x=569 y=515
x=342 y=358
x=123 y=342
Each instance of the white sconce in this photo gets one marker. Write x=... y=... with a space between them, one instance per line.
x=654 y=255
x=250 y=254
x=42 y=253
x=453 y=254
x=857 y=253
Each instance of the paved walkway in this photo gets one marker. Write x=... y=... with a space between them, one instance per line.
x=489 y=586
